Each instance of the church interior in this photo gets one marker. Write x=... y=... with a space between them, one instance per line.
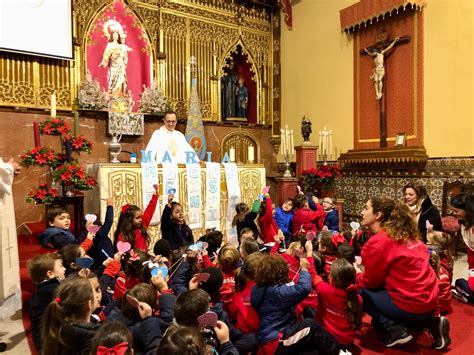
x=375 y=93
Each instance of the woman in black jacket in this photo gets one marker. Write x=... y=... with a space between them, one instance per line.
x=422 y=209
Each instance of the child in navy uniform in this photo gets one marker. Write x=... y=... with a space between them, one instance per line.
x=57 y=234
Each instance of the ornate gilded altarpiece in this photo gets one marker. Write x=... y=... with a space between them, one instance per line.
x=177 y=29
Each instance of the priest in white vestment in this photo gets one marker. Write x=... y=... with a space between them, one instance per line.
x=167 y=139
x=10 y=291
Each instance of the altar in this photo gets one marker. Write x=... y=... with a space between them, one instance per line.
x=123 y=182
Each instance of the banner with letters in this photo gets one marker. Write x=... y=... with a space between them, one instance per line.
x=233 y=193
x=193 y=178
x=213 y=196
x=150 y=178
x=170 y=181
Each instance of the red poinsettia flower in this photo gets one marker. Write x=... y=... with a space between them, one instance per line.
x=71 y=168
x=41 y=194
x=80 y=174
x=47 y=129
x=91 y=181
x=66 y=176
x=35 y=150
x=56 y=121
x=49 y=155
x=77 y=142
x=40 y=159
x=63 y=130
x=54 y=192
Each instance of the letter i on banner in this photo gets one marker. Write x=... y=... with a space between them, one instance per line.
x=170 y=181
x=193 y=176
x=150 y=178
x=213 y=195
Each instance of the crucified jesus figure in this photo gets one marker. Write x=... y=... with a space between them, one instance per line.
x=379 y=70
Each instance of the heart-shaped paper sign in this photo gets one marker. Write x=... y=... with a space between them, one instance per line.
x=90 y=218
x=265 y=190
x=123 y=247
x=171 y=191
x=208 y=319
x=93 y=228
x=197 y=246
x=160 y=271
x=133 y=301
x=355 y=225
x=429 y=226
x=84 y=263
x=155 y=186
x=202 y=277
x=310 y=235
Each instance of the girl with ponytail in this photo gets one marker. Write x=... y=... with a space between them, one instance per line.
x=67 y=327
x=340 y=307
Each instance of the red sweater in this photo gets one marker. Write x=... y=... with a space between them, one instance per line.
x=332 y=312
x=309 y=219
x=240 y=310
x=227 y=290
x=444 y=299
x=403 y=270
x=140 y=240
x=268 y=226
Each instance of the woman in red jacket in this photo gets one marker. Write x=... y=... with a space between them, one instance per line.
x=400 y=287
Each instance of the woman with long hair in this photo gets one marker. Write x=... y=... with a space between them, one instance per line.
x=400 y=287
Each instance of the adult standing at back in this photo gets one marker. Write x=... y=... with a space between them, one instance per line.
x=10 y=293
x=168 y=139
x=400 y=287
x=421 y=208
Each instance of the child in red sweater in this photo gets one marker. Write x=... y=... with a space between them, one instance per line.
x=268 y=226
x=339 y=307
x=240 y=310
x=328 y=244
x=305 y=218
x=444 y=284
x=228 y=258
x=133 y=223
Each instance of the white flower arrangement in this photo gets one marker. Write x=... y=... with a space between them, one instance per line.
x=152 y=100
x=91 y=96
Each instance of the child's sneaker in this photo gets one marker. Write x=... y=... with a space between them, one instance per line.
x=439 y=330
x=396 y=335
x=458 y=295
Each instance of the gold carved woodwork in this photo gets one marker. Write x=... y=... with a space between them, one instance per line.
x=123 y=182
x=207 y=29
x=240 y=141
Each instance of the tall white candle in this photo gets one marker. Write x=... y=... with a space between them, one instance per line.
x=287 y=139
x=292 y=145
x=320 y=145
x=232 y=154
x=330 y=143
x=251 y=153
x=282 y=144
x=53 y=105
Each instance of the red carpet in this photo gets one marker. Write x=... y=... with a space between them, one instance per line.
x=462 y=318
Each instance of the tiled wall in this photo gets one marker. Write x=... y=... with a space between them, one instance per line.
x=356 y=189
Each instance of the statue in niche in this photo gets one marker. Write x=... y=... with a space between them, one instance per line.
x=228 y=90
x=115 y=57
x=242 y=98
x=306 y=129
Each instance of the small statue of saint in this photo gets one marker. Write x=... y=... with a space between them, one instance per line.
x=242 y=98
x=306 y=129
x=228 y=87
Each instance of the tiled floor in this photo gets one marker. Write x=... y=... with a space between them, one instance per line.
x=13 y=333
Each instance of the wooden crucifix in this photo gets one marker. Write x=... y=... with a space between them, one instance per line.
x=380 y=51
